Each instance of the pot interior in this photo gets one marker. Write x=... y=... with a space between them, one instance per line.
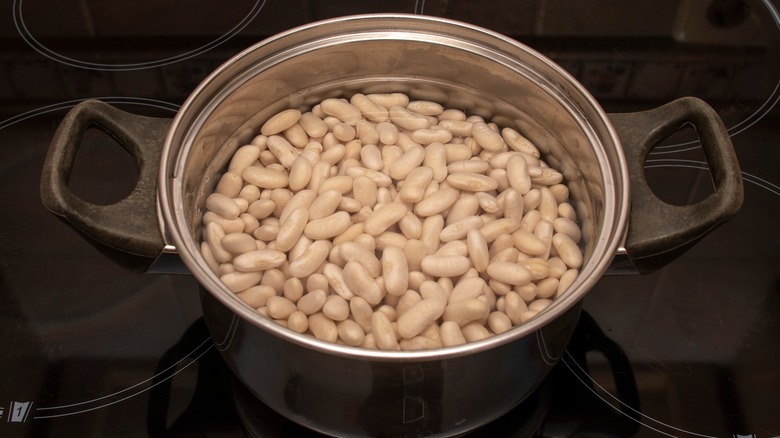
x=456 y=65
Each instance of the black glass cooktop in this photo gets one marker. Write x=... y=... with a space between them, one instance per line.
x=90 y=349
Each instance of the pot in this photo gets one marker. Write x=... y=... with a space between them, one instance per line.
x=341 y=390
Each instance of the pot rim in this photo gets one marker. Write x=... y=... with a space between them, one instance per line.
x=175 y=227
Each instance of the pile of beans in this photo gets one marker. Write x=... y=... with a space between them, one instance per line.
x=386 y=223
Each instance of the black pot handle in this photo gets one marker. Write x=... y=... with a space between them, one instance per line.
x=128 y=231
x=658 y=231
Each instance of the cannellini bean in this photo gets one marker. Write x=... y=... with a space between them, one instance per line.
x=311 y=260
x=434 y=134
x=280 y=121
x=336 y=308
x=445 y=266
x=467 y=288
x=517 y=173
x=371 y=157
x=519 y=143
x=465 y=311
x=293 y=289
x=395 y=271
x=379 y=178
x=362 y=283
x=436 y=159
x=419 y=316
x=411 y=226
x=499 y=322
x=368 y=108
x=406 y=119
x=230 y=185
x=300 y=174
x=265 y=178
x=566 y=280
x=291 y=229
x=432 y=289
x=567 y=250
x=459 y=229
x=477 y=249
x=257 y=296
x=415 y=183
x=298 y=322
x=280 y=307
x=410 y=160
x=284 y=152
x=529 y=243
x=451 y=334
x=323 y=328
x=568 y=227
x=508 y=272
x=492 y=229
x=312 y=302
x=388 y=133
x=313 y=125
x=342 y=110
x=241 y=281
x=328 y=227
x=296 y=135
x=361 y=313
x=238 y=243
x=383 y=217
x=461 y=128
x=244 y=157
x=384 y=334
x=538 y=267
x=223 y=206
x=353 y=252
x=351 y=333
x=388 y=100
x=259 y=260
x=487 y=138
x=514 y=307
x=437 y=202
x=262 y=208
x=472 y=182
x=475 y=331
x=325 y=204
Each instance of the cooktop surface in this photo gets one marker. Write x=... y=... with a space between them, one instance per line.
x=88 y=348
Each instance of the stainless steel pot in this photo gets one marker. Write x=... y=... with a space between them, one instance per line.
x=347 y=391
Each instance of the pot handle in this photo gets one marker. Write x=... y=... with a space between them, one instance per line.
x=659 y=232
x=127 y=231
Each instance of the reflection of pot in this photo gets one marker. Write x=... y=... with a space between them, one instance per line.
x=342 y=390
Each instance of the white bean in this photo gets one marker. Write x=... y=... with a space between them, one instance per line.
x=465 y=311
x=342 y=110
x=362 y=283
x=510 y=273
x=328 y=227
x=313 y=125
x=265 y=178
x=384 y=334
x=445 y=266
x=311 y=260
x=395 y=270
x=567 y=250
x=418 y=317
x=472 y=182
x=370 y=109
x=280 y=121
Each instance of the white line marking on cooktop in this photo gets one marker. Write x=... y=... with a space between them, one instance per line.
x=45 y=51
x=116 y=100
x=209 y=345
